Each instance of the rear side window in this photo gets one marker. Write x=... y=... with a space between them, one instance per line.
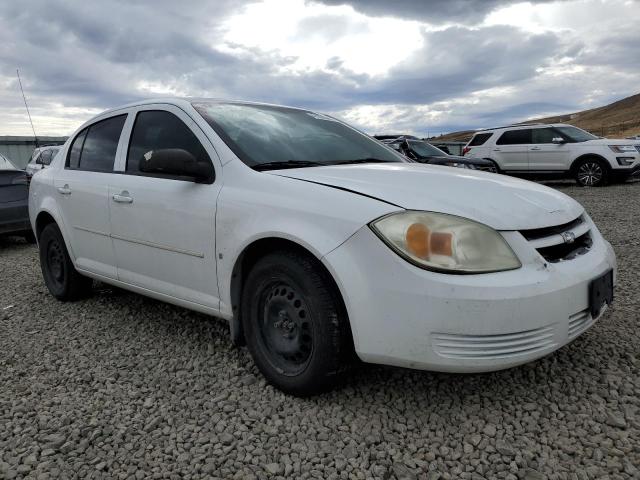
x=543 y=135
x=74 y=152
x=479 y=139
x=515 y=137
x=156 y=130
x=99 y=149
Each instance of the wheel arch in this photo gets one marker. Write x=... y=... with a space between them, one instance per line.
x=43 y=219
x=585 y=156
x=245 y=261
x=497 y=165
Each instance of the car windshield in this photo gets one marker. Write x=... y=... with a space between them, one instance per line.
x=5 y=164
x=270 y=137
x=424 y=149
x=576 y=134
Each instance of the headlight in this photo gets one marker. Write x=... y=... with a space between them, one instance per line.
x=623 y=148
x=445 y=243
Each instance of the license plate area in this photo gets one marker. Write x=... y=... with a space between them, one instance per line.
x=600 y=293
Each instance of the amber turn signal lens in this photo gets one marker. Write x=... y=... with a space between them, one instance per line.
x=441 y=243
x=417 y=239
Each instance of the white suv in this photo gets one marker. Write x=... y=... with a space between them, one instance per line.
x=315 y=241
x=556 y=149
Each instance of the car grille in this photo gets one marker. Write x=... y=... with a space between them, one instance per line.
x=488 y=347
x=561 y=242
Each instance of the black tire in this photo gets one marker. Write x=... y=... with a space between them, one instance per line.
x=60 y=276
x=495 y=165
x=295 y=324
x=591 y=172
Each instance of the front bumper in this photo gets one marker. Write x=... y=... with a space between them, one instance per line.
x=406 y=316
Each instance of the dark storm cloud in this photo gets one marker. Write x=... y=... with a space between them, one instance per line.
x=430 y=11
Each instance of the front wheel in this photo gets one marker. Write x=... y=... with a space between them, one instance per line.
x=62 y=279
x=591 y=172
x=294 y=323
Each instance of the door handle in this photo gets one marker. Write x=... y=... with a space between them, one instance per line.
x=123 y=197
x=534 y=148
x=64 y=190
x=496 y=149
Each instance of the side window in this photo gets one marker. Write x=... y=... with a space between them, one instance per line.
x=543 y=135
x=73 y=160
x=515 y=137
x=479 y=139
x=99 y=149
x=156 y=130
x=45 y=157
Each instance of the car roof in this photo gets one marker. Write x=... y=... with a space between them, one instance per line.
x=187 y=101
x=521 y=126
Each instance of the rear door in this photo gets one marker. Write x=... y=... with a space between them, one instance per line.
x=544 y=155
x=82 y=191
x=511 y=150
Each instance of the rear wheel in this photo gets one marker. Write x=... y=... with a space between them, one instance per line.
x=591 y=172
x=295 y=324
x=62 y=279
x=494 y=168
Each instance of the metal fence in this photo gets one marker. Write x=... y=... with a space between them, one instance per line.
x=19 y=149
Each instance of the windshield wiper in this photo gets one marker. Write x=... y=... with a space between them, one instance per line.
x=286 y=164
x=360 y=160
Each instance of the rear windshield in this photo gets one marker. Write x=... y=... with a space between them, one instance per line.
x=5 y=164
x=479 y=139
x=264 y=134
x=424 y=149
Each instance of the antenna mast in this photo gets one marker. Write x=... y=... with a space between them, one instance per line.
x=27 y=107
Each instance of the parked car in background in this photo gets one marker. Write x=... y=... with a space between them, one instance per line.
x=557 y=150
x=40 y=158
x=14 y=200
x=423 y=152
x=316 y=241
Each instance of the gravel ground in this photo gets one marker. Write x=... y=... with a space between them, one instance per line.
x=119 y=386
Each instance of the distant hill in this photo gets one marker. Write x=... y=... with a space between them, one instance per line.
x=618 y=119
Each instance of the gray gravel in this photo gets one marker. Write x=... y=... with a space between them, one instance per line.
x=119 y=386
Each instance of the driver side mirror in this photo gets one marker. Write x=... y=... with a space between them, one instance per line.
x=558 y=140
x=176 y=161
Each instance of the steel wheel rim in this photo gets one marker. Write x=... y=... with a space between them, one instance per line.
x=286 y=333
x=55 y=262
x=590 y=173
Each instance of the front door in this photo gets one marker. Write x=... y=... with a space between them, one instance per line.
x=163 y=226
x=82 y=189
x=544 y=155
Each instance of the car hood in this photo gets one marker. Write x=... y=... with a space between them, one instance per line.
x=501 y=202
x=610 y=141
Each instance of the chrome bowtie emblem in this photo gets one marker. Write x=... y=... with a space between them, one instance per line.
x=568 y=237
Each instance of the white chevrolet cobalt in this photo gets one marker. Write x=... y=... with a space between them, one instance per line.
x=316 y=241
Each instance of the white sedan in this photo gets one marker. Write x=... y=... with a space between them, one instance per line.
x=316 y=242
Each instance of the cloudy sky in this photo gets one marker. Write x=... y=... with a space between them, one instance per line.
x=416 y=66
